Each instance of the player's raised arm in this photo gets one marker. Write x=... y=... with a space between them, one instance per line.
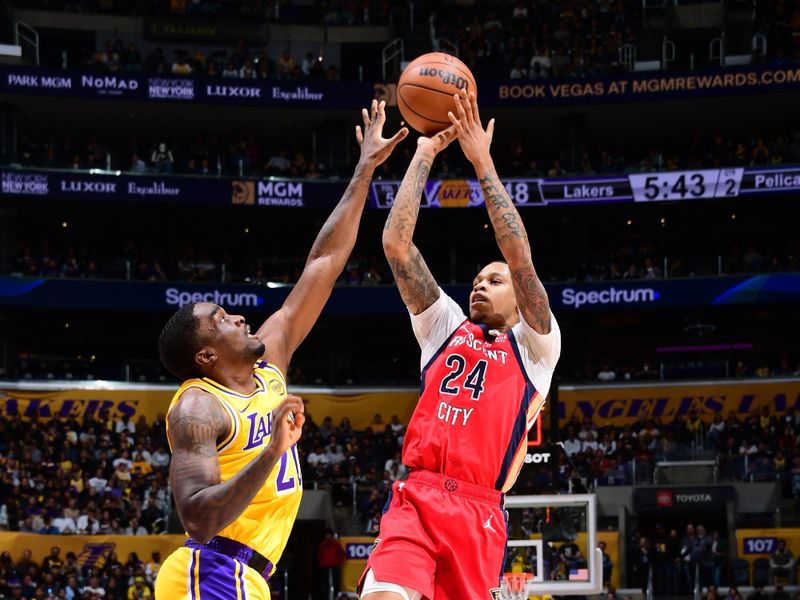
x=417 y=286
x=205 y=504
x=283 y=332
x=508 y=228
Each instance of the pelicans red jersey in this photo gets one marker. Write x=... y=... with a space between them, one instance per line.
x=444 y=534
x=481 y=392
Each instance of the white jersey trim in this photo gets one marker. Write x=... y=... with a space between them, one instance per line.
x=539 y=353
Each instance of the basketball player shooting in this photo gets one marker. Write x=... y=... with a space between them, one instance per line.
x=233 y=430
x=484 y=381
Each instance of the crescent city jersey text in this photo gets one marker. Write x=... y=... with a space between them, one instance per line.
x=481 y=393
x=267 y=521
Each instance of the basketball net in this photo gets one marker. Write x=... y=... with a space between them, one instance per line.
x=514 y=586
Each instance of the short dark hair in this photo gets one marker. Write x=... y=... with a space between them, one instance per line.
x=179 y=342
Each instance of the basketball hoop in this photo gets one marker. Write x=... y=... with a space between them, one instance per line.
x=514 y=586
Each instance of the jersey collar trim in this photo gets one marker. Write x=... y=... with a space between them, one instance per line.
x=259 y=383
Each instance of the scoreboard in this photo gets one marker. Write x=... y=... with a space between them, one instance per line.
x=659 y=186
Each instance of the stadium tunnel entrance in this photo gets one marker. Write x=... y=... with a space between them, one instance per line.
x=675 y=507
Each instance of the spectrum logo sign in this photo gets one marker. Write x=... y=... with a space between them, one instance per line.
x=178 y=297
x=577 y=298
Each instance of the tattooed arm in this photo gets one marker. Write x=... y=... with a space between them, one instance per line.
x=508 y=228
x=417 y=286
x=283 y=332
x=206 y=504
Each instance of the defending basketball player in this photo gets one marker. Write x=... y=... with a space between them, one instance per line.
x=484 y=381
x=232 y=428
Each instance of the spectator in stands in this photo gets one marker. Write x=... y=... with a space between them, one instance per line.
x=330 y=557
x=606 y=374
x=780 y=593
x=48 y=528
x=760 y=153
x=719 y=557
x=686 y=546
x=700 y=556
x=162 y=159
x=782 y=563
x=230 y=71
x=88 y=522
x=733 y=593
x=160 y=458
x=643 y=563
x=608 y=565
x=139 y=589
x=138 y=166
x=284 y=66
x=181 y=67
x=248 y=70
x=152 y=517
x=334 y=451
x=53 y=560
x=131 y=58
x=279 y=163
x=758 y=593
x=152 y=567
x=93 y=588
x=134 y=528
x=573 y=444
x=308 y=65
x=394 y=466
x=397 y=427
x=72 y=589
x=518 y=71
x=318 y=458
x=666 y=559
x=651 y=271
x=63 y=523
x=589 y=445
x=748 y=448
x=715 y=430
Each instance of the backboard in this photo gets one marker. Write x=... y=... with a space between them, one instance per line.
x=552 y=539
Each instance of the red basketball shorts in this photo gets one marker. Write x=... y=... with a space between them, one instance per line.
x=443 y=538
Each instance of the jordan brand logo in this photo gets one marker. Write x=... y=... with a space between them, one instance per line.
x=488 y=524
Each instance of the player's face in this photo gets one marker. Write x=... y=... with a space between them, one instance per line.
x=492 y=300
x=229 y=335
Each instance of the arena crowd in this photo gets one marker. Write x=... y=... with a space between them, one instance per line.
x=109 y=476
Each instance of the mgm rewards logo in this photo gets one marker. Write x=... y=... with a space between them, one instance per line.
x=243 y=192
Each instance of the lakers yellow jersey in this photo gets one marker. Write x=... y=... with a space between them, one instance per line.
x=267 y=521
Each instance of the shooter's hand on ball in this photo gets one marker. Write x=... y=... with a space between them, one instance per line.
x=374 y=147
x=474 y=140
x=287 y=423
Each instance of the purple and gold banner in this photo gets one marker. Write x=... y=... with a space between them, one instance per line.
x=621 y=405
x=91 y=550
x=615 y=404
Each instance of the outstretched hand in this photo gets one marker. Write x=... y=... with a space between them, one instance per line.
x=374 y=147
x=474 y=140
x=438 y=142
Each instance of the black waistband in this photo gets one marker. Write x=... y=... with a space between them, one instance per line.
x=236 y=550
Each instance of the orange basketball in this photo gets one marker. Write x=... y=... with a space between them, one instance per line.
x=426 y=87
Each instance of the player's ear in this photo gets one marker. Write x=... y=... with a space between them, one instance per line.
x=205 y=357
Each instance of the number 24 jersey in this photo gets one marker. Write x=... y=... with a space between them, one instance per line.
x=481 y=392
